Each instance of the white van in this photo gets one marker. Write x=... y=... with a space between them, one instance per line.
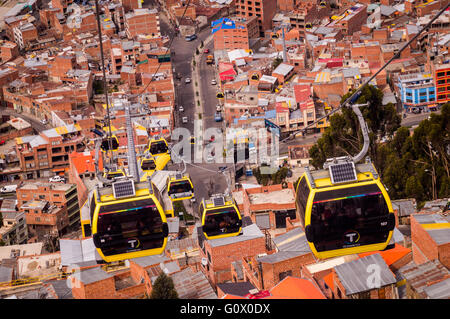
x=8 y=189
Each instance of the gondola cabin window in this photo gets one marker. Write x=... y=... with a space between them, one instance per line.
x=129 y=226
x=302 y=198
x=354 y=219
x=224 y=220
x=158 y=147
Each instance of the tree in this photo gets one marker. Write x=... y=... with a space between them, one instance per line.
x=276 y=62
x=344 y=138
x=163 y=288
x=417 y=165
x=413 y=187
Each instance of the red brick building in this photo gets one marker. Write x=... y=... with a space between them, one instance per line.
x=352 y=21
x=352 y=280
x=264 y=10
x=8 y=50
x=218 y=254
x=48 y=152
x=49 y=207
x=269 y=206
x=430 y=235
x=442 y=80
x=234 y=33
x=142 y=21
x=129 y=5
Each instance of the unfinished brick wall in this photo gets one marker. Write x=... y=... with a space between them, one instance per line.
x=222 y=256
x=104 y=289
x=271 y=272
x=424 y=247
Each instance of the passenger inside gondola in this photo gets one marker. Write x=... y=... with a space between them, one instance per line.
x=221 y=223
x=158 y=147
x=117 y=228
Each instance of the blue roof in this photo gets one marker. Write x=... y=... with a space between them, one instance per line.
x=271 y=114
x=223 y=23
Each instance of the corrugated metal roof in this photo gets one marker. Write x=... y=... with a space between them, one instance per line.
x=237 y=266
x=150 y=260
x=440 y=236
x=92 y=275
x=354 y=275
x=76 y=251
x=279 y=256
x=405 y=207
x=180 y=245
x=6 y=274
x=283 y=69
x=236 y=288
x=190 y=285
x=250 y=232
x=440 y=290
x=419 y=275
x=170 y=267
x=293 y=240
x=429 y=218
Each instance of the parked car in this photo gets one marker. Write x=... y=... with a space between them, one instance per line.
x=187 y=80
x=210 y=158
x=191 y=37
x=416 y=110
x=218 y=108
x=8 y=189
x=44 y=122
x=181 y=109
x=206 y=51
x=217 y=117
x=184 y=119
x=2 y=142
x=56 y=179
x=213 y=82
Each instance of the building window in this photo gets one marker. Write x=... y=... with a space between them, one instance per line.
x=440 y=74
x=364 y=295
x=284 y=274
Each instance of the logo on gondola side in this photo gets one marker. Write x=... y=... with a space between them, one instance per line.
x=134 y=243
x=351 y=237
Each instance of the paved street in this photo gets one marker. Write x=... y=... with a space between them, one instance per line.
x=209 y=91
x=205 y=177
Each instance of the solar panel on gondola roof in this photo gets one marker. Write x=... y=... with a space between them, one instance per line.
x=341 y=173
x=123 y=189
x=219 y=201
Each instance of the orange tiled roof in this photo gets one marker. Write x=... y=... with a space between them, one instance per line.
x=390 y=256
x=84 y=161
x=228 y=296
x=295 y=288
